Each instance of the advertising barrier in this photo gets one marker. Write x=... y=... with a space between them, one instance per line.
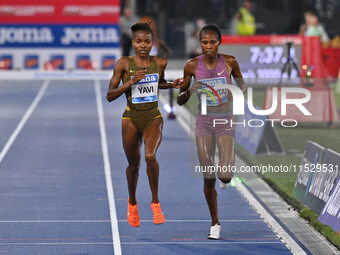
x=312 y=156
x=256 y=135
x=319 y=172
x=32 y=34
x=330 y=214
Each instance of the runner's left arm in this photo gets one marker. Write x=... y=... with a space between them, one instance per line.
x=163 y=84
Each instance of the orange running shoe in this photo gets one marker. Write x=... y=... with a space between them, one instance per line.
x=158 y=217
x=132 y=215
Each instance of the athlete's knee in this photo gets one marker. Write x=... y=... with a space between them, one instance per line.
x=225 y=180
x=134 y=167
x=150 y=158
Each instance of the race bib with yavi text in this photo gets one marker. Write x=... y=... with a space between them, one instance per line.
x=146 y=90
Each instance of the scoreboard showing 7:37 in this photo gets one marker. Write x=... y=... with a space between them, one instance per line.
x=263 y=63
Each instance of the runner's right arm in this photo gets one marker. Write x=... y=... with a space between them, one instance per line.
x=185 y=93
x=120 y=69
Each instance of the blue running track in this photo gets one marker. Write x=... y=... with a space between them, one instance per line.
x=53 y=192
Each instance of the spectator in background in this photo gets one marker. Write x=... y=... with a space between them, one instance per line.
x=200 y=23
x=125 y=23
x=159 y=48
x=193 y=45
x=244 y=19
x=312 y=27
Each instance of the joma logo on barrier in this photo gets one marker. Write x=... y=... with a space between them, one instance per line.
x=89 y=35
x=25 y=35
x=238 y=101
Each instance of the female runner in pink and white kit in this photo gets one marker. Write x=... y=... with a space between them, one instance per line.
x=212 y=72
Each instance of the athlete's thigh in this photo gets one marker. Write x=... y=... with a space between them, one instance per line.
x=205 y=149
x=226 y=146
x=153 y=136
x=131 y=141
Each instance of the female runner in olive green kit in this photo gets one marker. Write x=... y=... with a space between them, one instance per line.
x=140 y=74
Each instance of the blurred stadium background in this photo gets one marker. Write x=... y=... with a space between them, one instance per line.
x=64 y=28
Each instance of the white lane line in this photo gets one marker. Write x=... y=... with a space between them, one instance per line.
x=271 y=222
x=23 y=120
x=149 y=243
x=55 y=243
x=107 y=168
x=54 y=221
x=211 y=242
x=198 y=220
x=104 y=221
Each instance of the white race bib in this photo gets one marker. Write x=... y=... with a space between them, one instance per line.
x=146 y=90
x=215 y=89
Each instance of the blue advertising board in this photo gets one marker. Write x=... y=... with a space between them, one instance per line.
x=31 y=61
x=330 y=214
x=56 y=36
x=58 y=31
x=6 y=62
x=319 y=172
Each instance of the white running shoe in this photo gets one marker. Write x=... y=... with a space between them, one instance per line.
x=223 y=185
x=215 y=232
